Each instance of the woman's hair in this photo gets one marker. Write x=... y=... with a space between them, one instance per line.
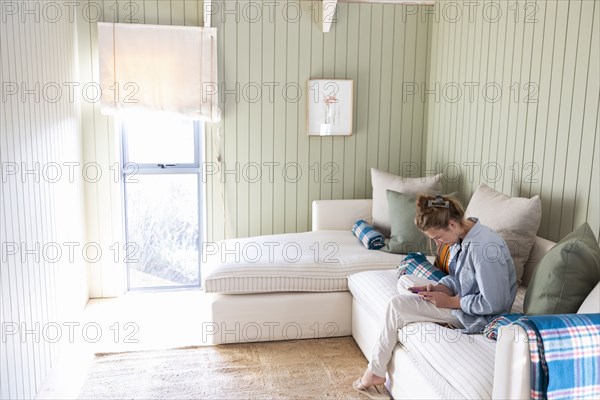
x=437 y=211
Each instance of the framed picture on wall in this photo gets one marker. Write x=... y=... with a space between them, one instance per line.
x=330 y=107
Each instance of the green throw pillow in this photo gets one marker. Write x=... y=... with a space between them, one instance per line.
x=405 y=236
x=565 y=275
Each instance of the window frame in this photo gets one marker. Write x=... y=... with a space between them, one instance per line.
x=129 y=169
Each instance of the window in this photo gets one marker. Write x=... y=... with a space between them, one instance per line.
x=162 y=198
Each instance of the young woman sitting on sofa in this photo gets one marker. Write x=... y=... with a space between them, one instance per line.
x=480 y=286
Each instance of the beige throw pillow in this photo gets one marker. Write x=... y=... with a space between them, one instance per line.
x=516 y=219
x=383 y=181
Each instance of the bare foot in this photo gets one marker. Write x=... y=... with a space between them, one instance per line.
x=370 y=379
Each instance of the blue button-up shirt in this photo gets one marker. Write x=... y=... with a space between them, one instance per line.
x=482 y=273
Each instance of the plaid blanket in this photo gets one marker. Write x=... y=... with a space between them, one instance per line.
x=369 y=237
x=418 y=265
x=565 y=355
x=491 y=329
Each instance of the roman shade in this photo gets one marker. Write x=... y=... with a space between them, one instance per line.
x=158 y=68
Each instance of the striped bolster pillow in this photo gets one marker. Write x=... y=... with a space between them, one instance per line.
x=417 y=264
x=372 y=239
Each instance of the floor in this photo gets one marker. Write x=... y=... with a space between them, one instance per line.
x=134 y=322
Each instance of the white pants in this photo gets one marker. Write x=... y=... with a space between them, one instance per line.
x=402 y=310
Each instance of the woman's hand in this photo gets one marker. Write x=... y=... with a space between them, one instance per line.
x=441 y=300
x=432 y=288
x=419 y=289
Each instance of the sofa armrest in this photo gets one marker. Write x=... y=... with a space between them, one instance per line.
x=512 y=369
x=340 y=214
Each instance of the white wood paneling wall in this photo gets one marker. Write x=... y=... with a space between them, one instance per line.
x=41 y=196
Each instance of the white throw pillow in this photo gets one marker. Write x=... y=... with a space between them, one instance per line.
x=591 y=304
x=516 y=219
x=382 y=181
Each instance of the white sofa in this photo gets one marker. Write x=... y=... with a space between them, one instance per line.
x=429 y=362
x=243 y=316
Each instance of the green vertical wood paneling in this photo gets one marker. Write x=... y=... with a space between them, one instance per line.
x=541 y=132
x=280 y=123
x=420 y=66
x=302 y=196
x=328 y=70
x=340 y=71
x=314 y=58
x=192 y=13
x=375 y=89
x=586 y=188
x=177 y=12
x=363 y=101
x=164 y=12
x=554 y=93
x=396 y=34
x=385 y=95
x=407 y=69
x=241 y=161
x=254 y=151
x=230 y=100
x=294 y=172
x=561 y=194
x=351 y=15
x=283 y=46
x=150 y=11
x=267 y=135
x=532 y=107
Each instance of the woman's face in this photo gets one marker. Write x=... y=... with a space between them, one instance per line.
x=447 y=235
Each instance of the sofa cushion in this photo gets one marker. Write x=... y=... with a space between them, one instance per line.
x=374 y=290
x=591 y=304
x=566 y=275
x=317 y=261
x=405 y=237
x=453 y=361
x=382 y=181
x=516 y=219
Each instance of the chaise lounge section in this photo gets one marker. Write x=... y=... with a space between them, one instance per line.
x=289 y=286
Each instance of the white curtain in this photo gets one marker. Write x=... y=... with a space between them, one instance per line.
x=171 y=69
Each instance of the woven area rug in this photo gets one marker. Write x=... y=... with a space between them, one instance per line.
x=297 y=369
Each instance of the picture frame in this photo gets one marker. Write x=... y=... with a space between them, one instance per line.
x=330 y=107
